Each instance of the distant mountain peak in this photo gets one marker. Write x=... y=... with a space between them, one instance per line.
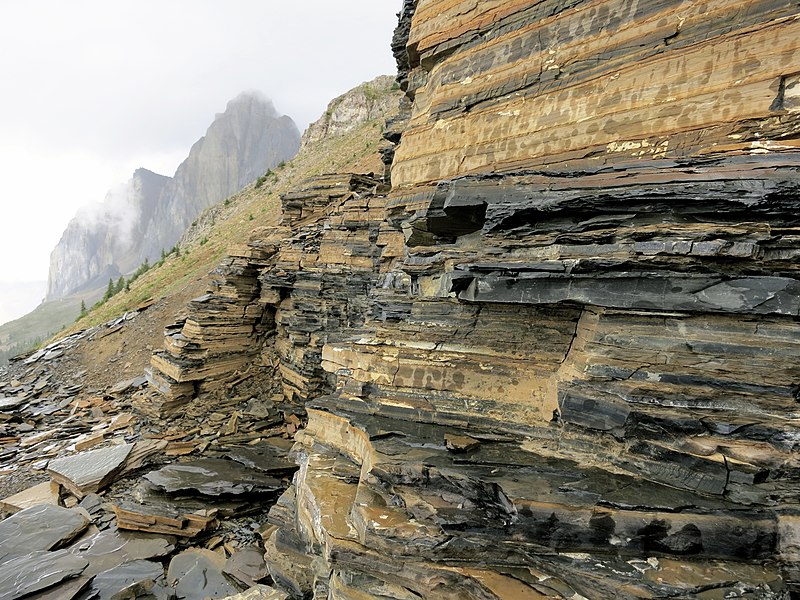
x=251 y=97
x=150 y=212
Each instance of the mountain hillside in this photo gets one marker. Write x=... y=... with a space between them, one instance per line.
x=150 y=212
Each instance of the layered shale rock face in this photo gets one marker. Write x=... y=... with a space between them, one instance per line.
x=292 y=285
x=510 y=86
x=558 y=358
x=150 y=212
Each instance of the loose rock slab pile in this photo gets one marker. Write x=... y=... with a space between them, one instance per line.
x=159 y=508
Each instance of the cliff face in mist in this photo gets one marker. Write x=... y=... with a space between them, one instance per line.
x=99 y=243
x=150 y=212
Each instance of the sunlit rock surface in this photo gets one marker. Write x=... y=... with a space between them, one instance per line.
x=39 y=528
x=363 y=103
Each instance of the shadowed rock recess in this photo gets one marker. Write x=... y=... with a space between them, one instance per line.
x=557 y=358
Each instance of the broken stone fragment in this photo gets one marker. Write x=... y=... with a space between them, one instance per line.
x=197 y=573
x=264 y=457
x=163 y=519
x=460 y=443
x=111 y=548
x=68 y=590
x=37 y=571
x=260 y=592
x=43 y=493
x=121 y=421
x=41 y=527
x=12 y=402
x=121 y=387
x=53 y=354
x=247 y=566
x=258 y=408
x=89 y=471
x=89 y=441
x=138 y=579
x=213 y=477
x=92 y=504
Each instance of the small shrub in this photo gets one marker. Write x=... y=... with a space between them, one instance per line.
x=370 y=93
x=109 y=290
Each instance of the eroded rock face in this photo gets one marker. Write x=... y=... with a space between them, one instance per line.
x=558 y=357
x=371 y=100
x=508 y=86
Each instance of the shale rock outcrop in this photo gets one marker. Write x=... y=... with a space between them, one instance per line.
x=558 y=357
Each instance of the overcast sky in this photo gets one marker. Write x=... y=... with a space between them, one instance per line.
x=93 y=89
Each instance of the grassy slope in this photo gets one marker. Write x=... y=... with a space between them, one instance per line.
x=43 y=321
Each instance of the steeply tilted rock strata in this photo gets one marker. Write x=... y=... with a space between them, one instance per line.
x=558 y=357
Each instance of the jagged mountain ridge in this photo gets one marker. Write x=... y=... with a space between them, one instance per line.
x=150 y=212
